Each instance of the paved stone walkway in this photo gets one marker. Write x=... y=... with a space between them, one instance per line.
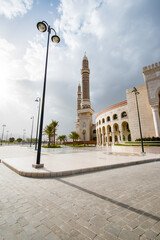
x=121 y=203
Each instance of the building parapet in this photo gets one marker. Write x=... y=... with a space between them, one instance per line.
x=151 y=67
x=120 y=104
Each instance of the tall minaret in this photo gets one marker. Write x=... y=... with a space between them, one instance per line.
x=84 y=112
x=85 y=83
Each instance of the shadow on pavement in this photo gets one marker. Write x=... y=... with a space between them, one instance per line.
x=141 y=212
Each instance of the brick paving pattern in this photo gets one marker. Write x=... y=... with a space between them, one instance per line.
x=116 y=204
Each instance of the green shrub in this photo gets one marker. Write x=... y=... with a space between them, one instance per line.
x=154 y=139
x=51 y=146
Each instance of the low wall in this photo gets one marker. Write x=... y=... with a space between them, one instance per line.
x=132 y=149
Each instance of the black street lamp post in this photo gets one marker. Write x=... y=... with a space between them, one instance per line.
x=7 y=136
x=139 y=120
x=38 y=99
x=32 y=130
x=42 y=27
x=3 y=132
x=24 y=132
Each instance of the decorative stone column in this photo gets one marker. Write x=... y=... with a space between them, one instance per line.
x=113 y=138
x=155 y=112
x=107 y=138
x=97 y=137
x=121 y=133
x=102 y=139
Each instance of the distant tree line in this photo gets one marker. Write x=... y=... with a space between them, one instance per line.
x=51 y=131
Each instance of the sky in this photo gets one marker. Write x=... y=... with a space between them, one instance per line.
x=119 y=37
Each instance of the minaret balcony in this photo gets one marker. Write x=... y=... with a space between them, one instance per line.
x=86 y=110
x=85 y=71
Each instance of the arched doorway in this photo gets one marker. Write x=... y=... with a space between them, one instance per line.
x=126 y=134
x=100 y=136
x=109 y=134
x=116 y=132
x=103 y=136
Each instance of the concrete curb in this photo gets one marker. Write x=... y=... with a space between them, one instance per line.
x=76 y=171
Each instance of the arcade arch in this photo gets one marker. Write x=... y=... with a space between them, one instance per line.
x=125 y=134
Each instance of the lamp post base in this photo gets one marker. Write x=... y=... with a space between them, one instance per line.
x=143 y=153
x=41 y=165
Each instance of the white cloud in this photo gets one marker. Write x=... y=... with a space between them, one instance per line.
x=11 y=66
x=34 y=60
x=14 y=8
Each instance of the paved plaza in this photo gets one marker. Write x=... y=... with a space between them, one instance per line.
x=68 y=161
x=122 y=203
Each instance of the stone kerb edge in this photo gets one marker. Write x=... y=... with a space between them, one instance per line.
x=77 y=171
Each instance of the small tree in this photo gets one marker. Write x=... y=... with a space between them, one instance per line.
x=54 y=126
x=74 y=136
x=49 y=132
x=19 y=140
x=62 y=138
x=12 y=139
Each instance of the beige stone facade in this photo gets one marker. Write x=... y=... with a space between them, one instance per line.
x=112 y=125
x=151 y=76
x=146 y=116
x=119 y=123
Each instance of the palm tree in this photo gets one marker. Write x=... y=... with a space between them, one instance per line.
x=62 y=138
x=49 y=132
x=54 y=126
x=74 y=136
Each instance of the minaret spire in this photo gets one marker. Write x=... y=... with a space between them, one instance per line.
x=85 y=83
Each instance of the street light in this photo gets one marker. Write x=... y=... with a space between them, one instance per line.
x=3 y=132
x=7 y=135
x=42 y=27
x=38 y=99
x=136 y=93
x=24 y=132
x=32 y=130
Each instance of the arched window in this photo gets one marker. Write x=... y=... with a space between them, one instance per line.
x=109 y=128
x=110 y=139
x=108 y=119
x=123 y=138
x=94 y=131
x=115 y=116
x=123 y=114
x=116 y=138
x=103 y=120
x=129 y=138
x=99 y=121
x=116 y=128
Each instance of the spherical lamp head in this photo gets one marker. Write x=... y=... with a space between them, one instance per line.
x=55 y=39
x=41 y=26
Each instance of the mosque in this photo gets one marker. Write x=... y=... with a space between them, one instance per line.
x=119 y=123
